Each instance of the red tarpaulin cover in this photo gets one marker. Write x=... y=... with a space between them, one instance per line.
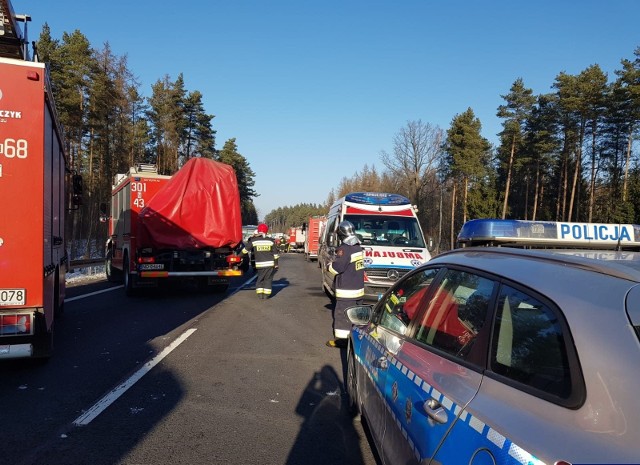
x=198 y=207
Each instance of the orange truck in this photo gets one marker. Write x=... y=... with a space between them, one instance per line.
x=313 y=229
x=181 y=228
x=33 y=199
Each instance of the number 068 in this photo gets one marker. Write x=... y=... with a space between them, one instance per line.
x=14 y=148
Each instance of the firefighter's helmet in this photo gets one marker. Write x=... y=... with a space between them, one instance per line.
x=347 y=234
x=263 y=228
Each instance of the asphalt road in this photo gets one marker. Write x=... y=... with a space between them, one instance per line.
x=185 y=377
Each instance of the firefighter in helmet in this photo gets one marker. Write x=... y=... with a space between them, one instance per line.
x=266 y=259
x=348 y=268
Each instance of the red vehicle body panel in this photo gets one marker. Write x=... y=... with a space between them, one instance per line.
x=32 y=205
x=312 y=238
x=186 y=212
x=129 y=198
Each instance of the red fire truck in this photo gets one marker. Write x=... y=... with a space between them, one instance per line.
x=33 y=198
x=312 y=237
x=184 y=227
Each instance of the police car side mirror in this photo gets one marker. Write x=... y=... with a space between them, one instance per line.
x=360 y=315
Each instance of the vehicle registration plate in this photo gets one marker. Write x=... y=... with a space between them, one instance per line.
x=13 y=296
x=151 y=266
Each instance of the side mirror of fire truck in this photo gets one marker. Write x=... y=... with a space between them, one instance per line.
x=104 y=216
x=430 y=244
x=76 y=196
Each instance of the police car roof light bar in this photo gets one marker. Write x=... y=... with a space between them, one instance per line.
x=549 y=234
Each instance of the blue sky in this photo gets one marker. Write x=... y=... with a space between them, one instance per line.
x=314 y=91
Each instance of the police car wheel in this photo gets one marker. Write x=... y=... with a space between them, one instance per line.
x=352 y=387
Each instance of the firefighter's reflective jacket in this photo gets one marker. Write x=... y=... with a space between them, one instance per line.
x=264 y=250
x=348 y=268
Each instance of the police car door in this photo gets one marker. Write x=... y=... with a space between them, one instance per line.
x=437 y=372
x=377 y=343
x=529 y=360
x=394 y=314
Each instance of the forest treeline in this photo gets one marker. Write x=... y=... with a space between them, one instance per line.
x=565 y=155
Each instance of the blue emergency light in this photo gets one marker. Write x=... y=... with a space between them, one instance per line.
x=549 y=234
x=377 y=198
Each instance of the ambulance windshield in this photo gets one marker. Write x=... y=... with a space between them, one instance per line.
x=391 y=231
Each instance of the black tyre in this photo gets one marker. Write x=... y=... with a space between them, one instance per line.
x=129 y=285
x=43 y=342
x=113 y=274
x=43 y=347
x=353 y=403
x=58 y=307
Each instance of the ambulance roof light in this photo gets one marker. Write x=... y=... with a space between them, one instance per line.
x=377 y=198
x=540 y=234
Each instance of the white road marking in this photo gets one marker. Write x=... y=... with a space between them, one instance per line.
x=84 y=296
x=112 y=396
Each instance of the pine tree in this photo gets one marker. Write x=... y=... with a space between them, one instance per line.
x=519 y=103
x=468 y=156
x=244 y=174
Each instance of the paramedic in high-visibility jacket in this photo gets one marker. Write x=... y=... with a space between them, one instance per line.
x=348 y=268
x=266 y=256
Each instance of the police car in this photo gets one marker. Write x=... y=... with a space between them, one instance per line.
x=500 y=352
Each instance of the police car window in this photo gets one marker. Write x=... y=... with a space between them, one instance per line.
x=456 y=313
x=528 y=344
x=401 y=305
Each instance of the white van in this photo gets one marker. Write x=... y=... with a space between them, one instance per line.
x=389 y=233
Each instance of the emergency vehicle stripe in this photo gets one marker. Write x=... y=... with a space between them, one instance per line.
x=496 y=438
x=475 y=424
x=356 y=256
x=349 y=293
x=265 y=264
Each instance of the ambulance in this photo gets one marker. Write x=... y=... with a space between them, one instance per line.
x=389 y=232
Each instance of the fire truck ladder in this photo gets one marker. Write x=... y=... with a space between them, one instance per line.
x=13 y=43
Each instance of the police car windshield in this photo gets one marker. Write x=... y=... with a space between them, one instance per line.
x=389 y=231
